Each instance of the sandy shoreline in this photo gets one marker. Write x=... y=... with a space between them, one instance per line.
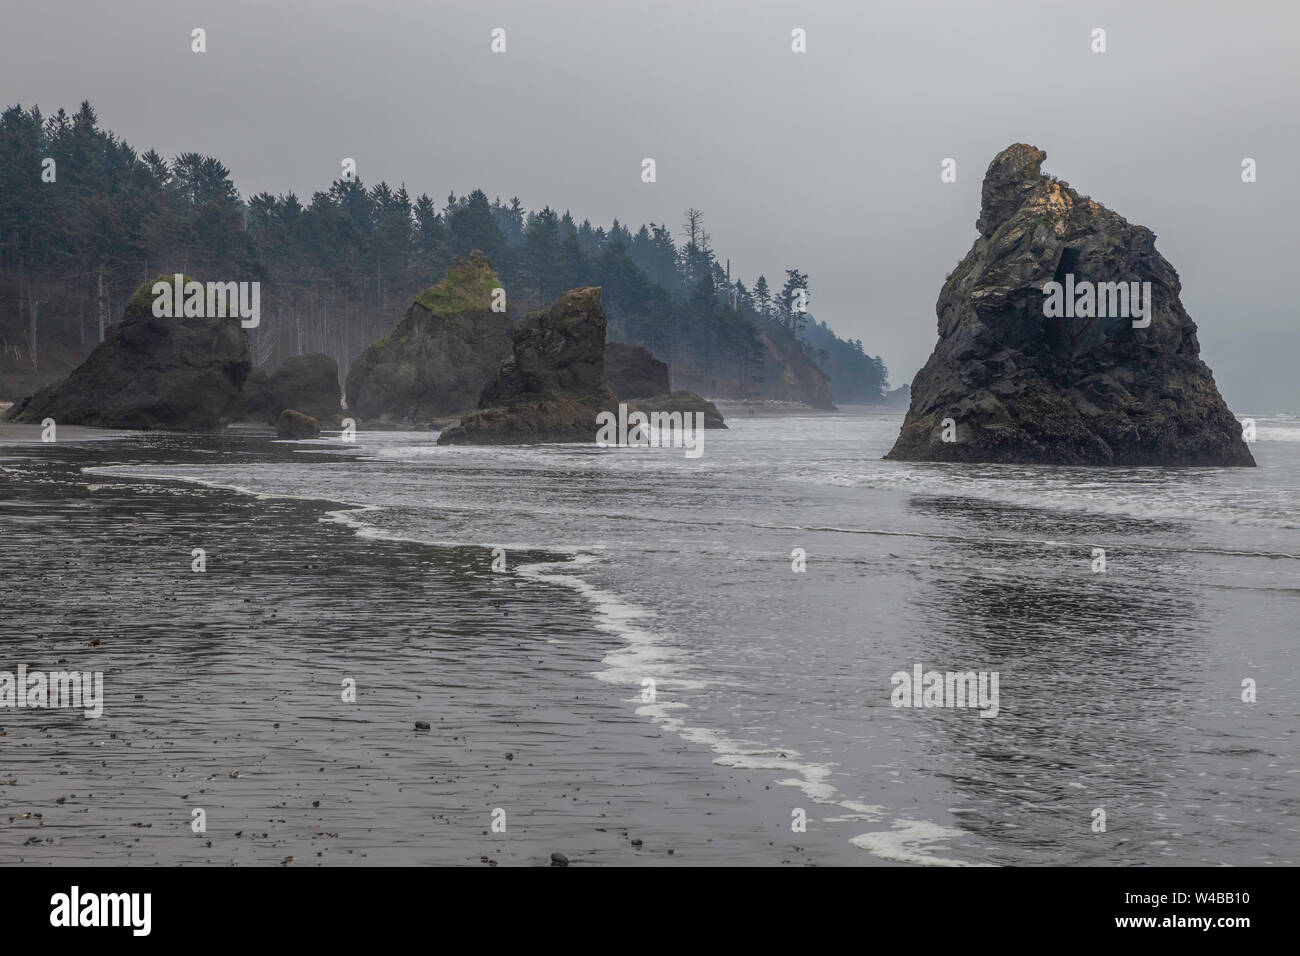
x=223 y=693
x=13 y=433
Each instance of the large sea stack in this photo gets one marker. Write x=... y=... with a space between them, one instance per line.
x=173 y=374
x=553 y=386
x=446 y=346
x=1006 y=383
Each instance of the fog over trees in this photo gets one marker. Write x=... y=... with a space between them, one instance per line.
x=339 y=268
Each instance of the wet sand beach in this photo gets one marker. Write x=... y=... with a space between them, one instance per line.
x=224 y=691
x=771 y=589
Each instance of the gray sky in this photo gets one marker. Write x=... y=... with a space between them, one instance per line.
x=826 y=161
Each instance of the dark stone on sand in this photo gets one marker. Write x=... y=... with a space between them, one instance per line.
x=1019 y=386
x=421 y=725
x=559 y=859
x=636 y=841
x=294 y=424
x=175 y=374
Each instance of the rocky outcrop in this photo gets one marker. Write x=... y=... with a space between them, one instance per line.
x=634 y=372
x=680 y=401
x=177 y=374
x=1010 y=380
x=525 y=424
x=787 y=375
x=294 y=424
x=306 y=383
x=252 y=405
x=553 y=386
x=900 y=397
x=446 y=346
x=641 y=380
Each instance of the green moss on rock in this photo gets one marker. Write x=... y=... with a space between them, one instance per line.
x=151 y=372
x=445 y=347
x=467 y=287
x=143 y=297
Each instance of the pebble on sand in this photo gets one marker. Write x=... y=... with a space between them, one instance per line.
x=559 y=859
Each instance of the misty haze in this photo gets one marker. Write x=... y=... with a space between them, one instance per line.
x=678 y=434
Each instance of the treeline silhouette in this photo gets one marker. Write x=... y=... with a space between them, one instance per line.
x=78 y=236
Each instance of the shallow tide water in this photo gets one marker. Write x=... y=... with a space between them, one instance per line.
x=1119 y=691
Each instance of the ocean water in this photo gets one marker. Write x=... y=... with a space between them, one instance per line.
x=1120 y=692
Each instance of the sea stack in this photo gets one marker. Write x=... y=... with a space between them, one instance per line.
x=1062 y=340
x=180 y=373
x=446 y=346
x=553 y=386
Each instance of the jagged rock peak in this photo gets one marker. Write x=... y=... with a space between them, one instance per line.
x=1062 y=340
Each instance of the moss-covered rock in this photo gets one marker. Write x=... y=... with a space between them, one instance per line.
x=467 y=287
x=554 y=384
x=446 y=346
x=176 y=374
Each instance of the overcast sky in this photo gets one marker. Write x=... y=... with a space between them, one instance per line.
x=827 y=161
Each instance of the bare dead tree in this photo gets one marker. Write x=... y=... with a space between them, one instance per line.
x=694 y=226
x=262 y=342
x=33 y=307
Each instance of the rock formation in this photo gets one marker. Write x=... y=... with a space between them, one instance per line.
x=1097 y=384
x=445 y=347
x=305 y=383
x=553 y=386
x=681 y=401
x=634 y=372
x=252 y=400
x=177 y=374
x=900 y=397
x=787 y=375
x=294 y=424
x=641 y=380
